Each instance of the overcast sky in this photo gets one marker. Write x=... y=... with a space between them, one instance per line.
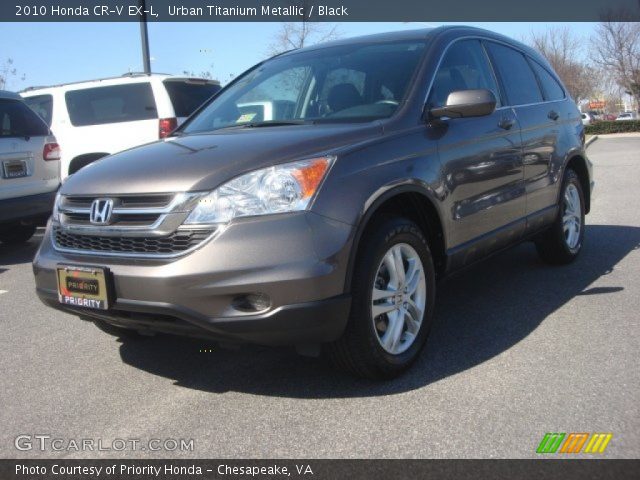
x=51 y=53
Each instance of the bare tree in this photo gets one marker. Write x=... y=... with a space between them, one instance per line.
x=615 y=47
x=564 y=52
x=292 y=35
x=7 y=70
x=208 y=74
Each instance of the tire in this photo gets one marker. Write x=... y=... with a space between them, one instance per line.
x=561 y=244
x=361 y=350
x=116 y=331
x=17 y=234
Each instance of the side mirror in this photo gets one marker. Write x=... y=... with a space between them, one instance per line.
x=466 y=103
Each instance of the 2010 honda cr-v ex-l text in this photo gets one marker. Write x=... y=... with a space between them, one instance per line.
x=316 y=200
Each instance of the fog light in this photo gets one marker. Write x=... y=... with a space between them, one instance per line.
x=251 y=302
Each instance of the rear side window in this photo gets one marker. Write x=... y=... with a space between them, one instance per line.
x=18 y=120
x=464 y=67
x=111 y=104
x=519 y=82
x=42 y=105
x=187 y=96
x=550 y=86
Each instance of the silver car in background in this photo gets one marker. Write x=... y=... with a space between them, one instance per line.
x=29 y=170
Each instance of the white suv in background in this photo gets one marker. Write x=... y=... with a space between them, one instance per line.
x=29 y=170
x=100 y=117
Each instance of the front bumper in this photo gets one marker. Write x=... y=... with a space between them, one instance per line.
x=298 y=260
x=32 y=207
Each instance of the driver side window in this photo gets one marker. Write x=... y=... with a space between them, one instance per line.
x=464 y=67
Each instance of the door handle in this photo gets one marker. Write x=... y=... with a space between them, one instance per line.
x=553 y=115
x=506 y=123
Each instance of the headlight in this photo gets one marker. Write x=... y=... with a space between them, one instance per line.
x=282 y=188
x=56 y=208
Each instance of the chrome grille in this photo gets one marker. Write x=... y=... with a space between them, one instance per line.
x=140 y=225
x=129 y=210
x=129 y=201
x=178 y=242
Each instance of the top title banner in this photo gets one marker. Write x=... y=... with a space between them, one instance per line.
x=317 y=10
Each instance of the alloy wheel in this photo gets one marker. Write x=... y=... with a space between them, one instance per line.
x=398 y=298
x=572 y=216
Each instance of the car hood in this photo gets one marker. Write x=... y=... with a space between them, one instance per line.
x=204 y=161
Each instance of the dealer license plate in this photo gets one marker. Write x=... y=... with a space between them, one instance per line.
x=83 y=287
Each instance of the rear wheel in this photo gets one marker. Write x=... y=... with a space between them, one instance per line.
x=17 y=234
x=393 y=293
x=562 y=243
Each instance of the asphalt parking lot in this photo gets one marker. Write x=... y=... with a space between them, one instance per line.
x=518 y=349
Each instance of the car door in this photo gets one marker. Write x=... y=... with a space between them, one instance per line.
x=540 y=126
x=543 y=177
x=481 y=160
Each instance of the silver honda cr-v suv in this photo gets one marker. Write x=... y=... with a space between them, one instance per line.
x=317 y=198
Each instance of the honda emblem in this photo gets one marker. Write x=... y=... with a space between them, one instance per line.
x=101 y=210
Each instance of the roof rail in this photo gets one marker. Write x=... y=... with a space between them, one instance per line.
x=143 y=74
x=34 y=87
x=124 y=75
x=129 y=74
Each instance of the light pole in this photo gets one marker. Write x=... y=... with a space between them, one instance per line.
x=144 y=38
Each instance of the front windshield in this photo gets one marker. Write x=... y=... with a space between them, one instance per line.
x=360 y=82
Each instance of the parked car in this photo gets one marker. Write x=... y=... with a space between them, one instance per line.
x=96 y=118
x=30 y=170
x=609 y=117
x=406 y=157
x=587 y=118
x=626 y=116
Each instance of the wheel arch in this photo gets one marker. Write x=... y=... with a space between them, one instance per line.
x=578 y=164
x=413 y=202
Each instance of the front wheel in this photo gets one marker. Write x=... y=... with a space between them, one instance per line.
x=393 y=291
x=562 y=243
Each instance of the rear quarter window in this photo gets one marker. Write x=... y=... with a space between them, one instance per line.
x=550 y=86
x=42 y=105
x=18 y=120
x=187 y=96
x=111 y=104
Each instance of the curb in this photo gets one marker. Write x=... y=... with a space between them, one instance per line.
x=590 y=141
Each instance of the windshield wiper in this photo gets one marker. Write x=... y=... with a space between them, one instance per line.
x=276 y=123
x=266 y=123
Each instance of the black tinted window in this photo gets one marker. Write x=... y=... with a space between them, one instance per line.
x=42 y=105
x=464 y=67
x=187 y=96
x=520 y=84
x=113 y=104
x=18 y=120
x=551 y=88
